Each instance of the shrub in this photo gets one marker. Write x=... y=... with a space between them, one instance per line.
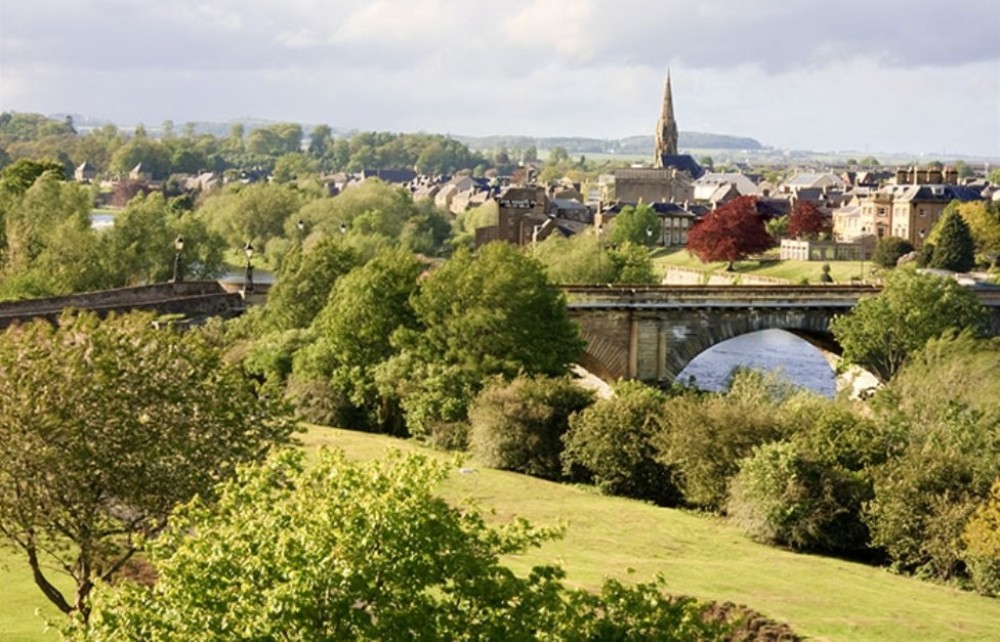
x=704 y=437
x=982 y=541
x=519 y=425
x=889 y=250
x=611 y=444
x=781 y=496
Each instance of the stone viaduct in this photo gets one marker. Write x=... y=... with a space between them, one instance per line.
x=192 y=299
x=651 y=332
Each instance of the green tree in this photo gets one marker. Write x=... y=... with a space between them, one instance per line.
x=581 y=258
x=881 y=332
x=519 y=425
x=941 y=412
x=353 y=333
x=104 y=428
x=612 y=443
x=346 y=551
x=483 y=314
x=954 y=248
x=637 y=224
x=257 y=212
x=983 y=219
x=306 y=277
x=631 y=263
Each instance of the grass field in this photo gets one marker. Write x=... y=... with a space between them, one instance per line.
x=823 y=598
x=792 y=271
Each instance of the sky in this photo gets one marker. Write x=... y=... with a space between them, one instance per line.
x=899 y=76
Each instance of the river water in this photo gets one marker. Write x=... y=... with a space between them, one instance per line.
x=768 y=350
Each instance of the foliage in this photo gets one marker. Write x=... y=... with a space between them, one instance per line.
x=519 y=425
x=942 y=412
x=981 y=537
x=256 y=212
x=807 y=221
x=353 y=332
x=704 y=437
x=631 y=263
x=954 y=248
x=881 y=332
x=780 y=495
x=983 y=220
x=889 y=250
x=17 y=177
x=483 y=314
x=306 y=278
x=580 y=258
x=730 y=233
x=469 y=221
x=612 y=444
x=104 y=428
x=637 y=224
x=365 y=552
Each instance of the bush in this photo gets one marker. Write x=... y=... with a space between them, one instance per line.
x=519 y=425
x=781 y=496
x=889 y=250
x=982 y=544
x=611 y=444
x=705 y=437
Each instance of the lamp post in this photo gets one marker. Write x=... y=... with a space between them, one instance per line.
x=649 y=236
x=300 y=225
x=178 y=271
x=343 y=232
x=248 y=280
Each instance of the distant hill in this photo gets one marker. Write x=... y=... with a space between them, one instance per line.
x=631 y=145
x=628 y=145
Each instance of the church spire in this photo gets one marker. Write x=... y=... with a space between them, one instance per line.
x=666 y=128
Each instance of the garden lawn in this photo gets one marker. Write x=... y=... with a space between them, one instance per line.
x=794 y=272
x=822 y=598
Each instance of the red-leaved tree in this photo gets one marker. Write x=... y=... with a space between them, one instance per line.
x=730 y=233
x=806 y=220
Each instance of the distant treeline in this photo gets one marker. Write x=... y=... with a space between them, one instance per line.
x=628 y=145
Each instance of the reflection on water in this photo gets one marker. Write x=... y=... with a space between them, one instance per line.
x=767 y=350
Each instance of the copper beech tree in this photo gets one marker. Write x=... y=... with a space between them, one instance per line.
x=730 y=233
x=806 y=220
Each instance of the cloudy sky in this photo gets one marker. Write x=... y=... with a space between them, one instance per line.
x=914 y=76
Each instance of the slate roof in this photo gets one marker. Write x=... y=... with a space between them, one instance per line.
x=684 y=163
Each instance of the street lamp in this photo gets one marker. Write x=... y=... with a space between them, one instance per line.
x=649 y=236
x=300 y=225
x=178 y=247
x=248 y=280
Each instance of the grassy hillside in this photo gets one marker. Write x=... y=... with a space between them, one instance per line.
x=826 y=599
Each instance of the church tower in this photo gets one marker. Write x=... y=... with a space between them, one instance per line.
x=666 y=128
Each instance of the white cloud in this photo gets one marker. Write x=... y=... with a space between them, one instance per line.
x=896 y=74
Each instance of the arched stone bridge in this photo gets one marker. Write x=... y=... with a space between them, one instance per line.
x=651 y=333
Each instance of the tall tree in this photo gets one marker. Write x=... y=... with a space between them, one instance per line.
x=730 y=233
x=954 y=249
x=483 y=314
x=881 y=332
x=353 y=332
x=104 y=428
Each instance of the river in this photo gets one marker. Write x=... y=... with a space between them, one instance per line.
x=769 y=350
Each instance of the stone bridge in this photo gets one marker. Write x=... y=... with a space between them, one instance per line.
x=651 y=333
x=192 y=299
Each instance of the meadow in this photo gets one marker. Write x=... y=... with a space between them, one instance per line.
x=821 y=598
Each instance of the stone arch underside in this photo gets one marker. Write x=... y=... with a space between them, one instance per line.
x=655 y=345
x=809 y=325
